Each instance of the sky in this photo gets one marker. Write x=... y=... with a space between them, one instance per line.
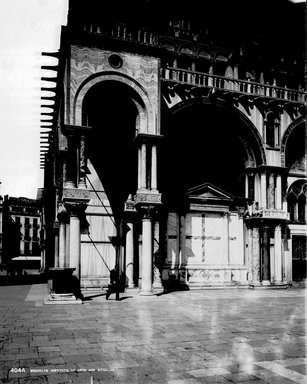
x=27 y=28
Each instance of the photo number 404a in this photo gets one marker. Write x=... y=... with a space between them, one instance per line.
x=17 y=370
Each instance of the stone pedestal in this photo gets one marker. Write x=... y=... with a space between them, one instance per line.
x=63 y=287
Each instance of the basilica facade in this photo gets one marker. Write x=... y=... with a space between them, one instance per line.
x=173 y=144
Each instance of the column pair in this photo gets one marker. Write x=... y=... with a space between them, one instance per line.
x=75 y=163
x=147 y=169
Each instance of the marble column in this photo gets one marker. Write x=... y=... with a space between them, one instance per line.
x=157 y=282
x=210 y=79
x=139 y=168
x=82 y=164
x=74 y=245
x=263 y=204
x=278 y=193
x=70 y=164
x=278 y=255
x=56 y=243
x=271 y=192
x=266 y=256
x=250 y=254
x=246 y=186
x=226 y=238
x=146 y=288
x=62 y=245
x=256 y=257
x=154 y=168
x=129 y=267
x=143 y=166
x=67 y=245
x=63 y=219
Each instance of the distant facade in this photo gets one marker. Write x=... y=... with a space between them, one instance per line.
x=21 y=228
x=176 y=145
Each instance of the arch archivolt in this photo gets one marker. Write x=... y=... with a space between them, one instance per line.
x=146 y=120
x=300 y=120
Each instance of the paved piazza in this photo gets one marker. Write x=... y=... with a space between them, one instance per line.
x=200 y=336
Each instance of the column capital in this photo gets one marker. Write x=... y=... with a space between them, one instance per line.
x=75 y=209
x=63 y=215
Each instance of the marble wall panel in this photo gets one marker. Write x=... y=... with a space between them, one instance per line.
x=236 y=248
x=173 y=239
x=214 y=239
x=92 y=264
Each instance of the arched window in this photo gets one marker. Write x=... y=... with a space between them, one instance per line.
x=272 y=128
x=296 y=199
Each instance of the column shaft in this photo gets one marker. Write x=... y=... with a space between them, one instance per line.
x=143 y=166
x=139 y=168
x=278 y=254
x=67 y=245
x=62 y=245
x=266 y=255
x=278 y=193
x=246 y=186
x=70 y=169
x=56 y=246
x=256 y=256
x=74 y=245
x=271 y=192
x=154 y=168
x=82 y=163
x=146 y=257
x=263 y=204
x=129 y=267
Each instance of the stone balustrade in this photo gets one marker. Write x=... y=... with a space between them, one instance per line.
x=240 y=86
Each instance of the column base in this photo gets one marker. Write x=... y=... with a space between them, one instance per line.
x=266 y=282
x=62 y=298
x=146 y=293
x=255 y=284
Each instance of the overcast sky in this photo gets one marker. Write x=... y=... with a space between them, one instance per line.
x=27 y=28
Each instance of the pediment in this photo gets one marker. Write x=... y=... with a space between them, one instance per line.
x=208 y=191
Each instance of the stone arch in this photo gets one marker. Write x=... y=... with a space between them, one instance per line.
x=147 y=118
x=258 y=158
x=300 y=120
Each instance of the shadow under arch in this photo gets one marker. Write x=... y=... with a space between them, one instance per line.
x=141 y=97
x=298 y=123
x=252 y=135
x=207 y=141
x=112 y=109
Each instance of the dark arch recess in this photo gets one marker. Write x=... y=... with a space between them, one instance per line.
x=298 y=124
x=206 y=141
x=250 y=134
x=109 y=108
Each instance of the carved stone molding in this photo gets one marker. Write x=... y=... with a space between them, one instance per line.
x=75 y=195
x=147 y=198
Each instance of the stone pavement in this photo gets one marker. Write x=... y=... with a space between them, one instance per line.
x=191 y=337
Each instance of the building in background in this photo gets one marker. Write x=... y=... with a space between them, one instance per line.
x=175 y=144
x=21 y=231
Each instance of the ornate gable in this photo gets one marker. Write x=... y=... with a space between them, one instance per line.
x=208 y=192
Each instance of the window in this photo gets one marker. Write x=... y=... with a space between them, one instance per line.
x=272 y=128
x=296 y=199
